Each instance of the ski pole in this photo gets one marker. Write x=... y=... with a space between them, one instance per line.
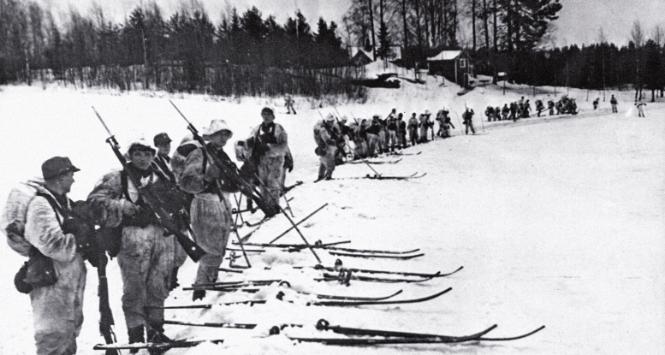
x=299 y=222
x=302 y=236
x=288 y=206
x=370 y=166
x=235 y=230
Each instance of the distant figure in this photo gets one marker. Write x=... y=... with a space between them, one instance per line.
x=613 y=102
x=640 y=108
x=413 y=129
x=288 y=103
x=540 y=107
x=467 y=117
x=550 y=106
x=595 y=103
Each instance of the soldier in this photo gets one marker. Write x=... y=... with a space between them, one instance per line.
x=391 y=125
x=360 y=136
x=513 y=111
x=210 y=209
x=413 y=129
x=270 y=147
x=613 y=102
x=288 y=102
x=595 y=103
x=373 y=141
x=401 y=130
x=467 y=116
x=57 y=307
x=539 y=107
x=424 y=125
x=326 y=135
x=505 y=111
x=489 y=112
x=146 y=256
x=640 y=108
x=447 y=123
x=550 y=106
x=162 y=161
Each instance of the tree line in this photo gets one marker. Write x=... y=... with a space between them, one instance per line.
x=243 y=54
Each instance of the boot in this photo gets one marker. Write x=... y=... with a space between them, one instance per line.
x=156 y=335
x=173 y=282
x=135 y=336
x=198 y=295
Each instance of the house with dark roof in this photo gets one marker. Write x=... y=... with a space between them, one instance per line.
x=455 y=65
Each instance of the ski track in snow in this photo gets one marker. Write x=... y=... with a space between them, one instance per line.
x=557 y=222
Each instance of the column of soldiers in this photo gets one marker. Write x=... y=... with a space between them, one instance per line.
x=522 y=109
x=338 y=140
x=40 y=226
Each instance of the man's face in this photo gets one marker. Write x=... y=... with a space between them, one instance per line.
x=141 y=159
x=220 y=138
x=267 y=117
x=66 y=181
x=164 y=149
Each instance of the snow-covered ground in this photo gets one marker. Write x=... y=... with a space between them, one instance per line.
x=559 y=222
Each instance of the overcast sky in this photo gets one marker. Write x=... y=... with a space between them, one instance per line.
x=580 y=20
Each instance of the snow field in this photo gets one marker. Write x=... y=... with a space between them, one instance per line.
x=557 y=223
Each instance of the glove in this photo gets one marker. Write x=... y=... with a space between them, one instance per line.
x=83 y=234
x=128 y=208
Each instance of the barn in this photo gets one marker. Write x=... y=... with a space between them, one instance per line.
x=455 y=65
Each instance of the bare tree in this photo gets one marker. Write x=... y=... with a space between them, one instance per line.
x=637 y=34
x=658 y=35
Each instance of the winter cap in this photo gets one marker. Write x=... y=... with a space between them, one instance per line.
x=187 y=144
x=216 y=126
x=161 y=139
x=330 y=118
x=427 y=113
x=343 y=119
x=137 y=142
x=267 y=110
x=57 y=166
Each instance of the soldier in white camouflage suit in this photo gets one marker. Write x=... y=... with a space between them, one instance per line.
x=44 y=232
x=146 y=256
x=210 y=210
x=270 y=149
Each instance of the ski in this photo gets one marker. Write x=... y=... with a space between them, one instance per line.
x=385 y=337
x=375 y=251
x=514 y=337
x=345 y=277
x=291 y=187
x=378 y=256
x=157 y=346
x=280 y=296
x=387 y=272
x=296 y=246
x=349 y=298
x=231 y=284
x=384 y=177
x=324 y=325
x=210 y=305
x=263 y=220
x=405 y=154
x=376 y=162
x=213 y=325
x=377 y=303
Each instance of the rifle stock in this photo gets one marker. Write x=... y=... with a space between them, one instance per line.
x=164 y=219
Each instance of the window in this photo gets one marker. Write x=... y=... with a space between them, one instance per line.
x=462 y=63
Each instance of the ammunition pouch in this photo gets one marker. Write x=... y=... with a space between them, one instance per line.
x=37 y=272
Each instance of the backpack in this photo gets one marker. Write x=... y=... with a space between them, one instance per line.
x=38 y=271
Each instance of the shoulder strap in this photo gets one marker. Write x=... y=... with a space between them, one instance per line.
x=124 y=184
x=57 y=208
